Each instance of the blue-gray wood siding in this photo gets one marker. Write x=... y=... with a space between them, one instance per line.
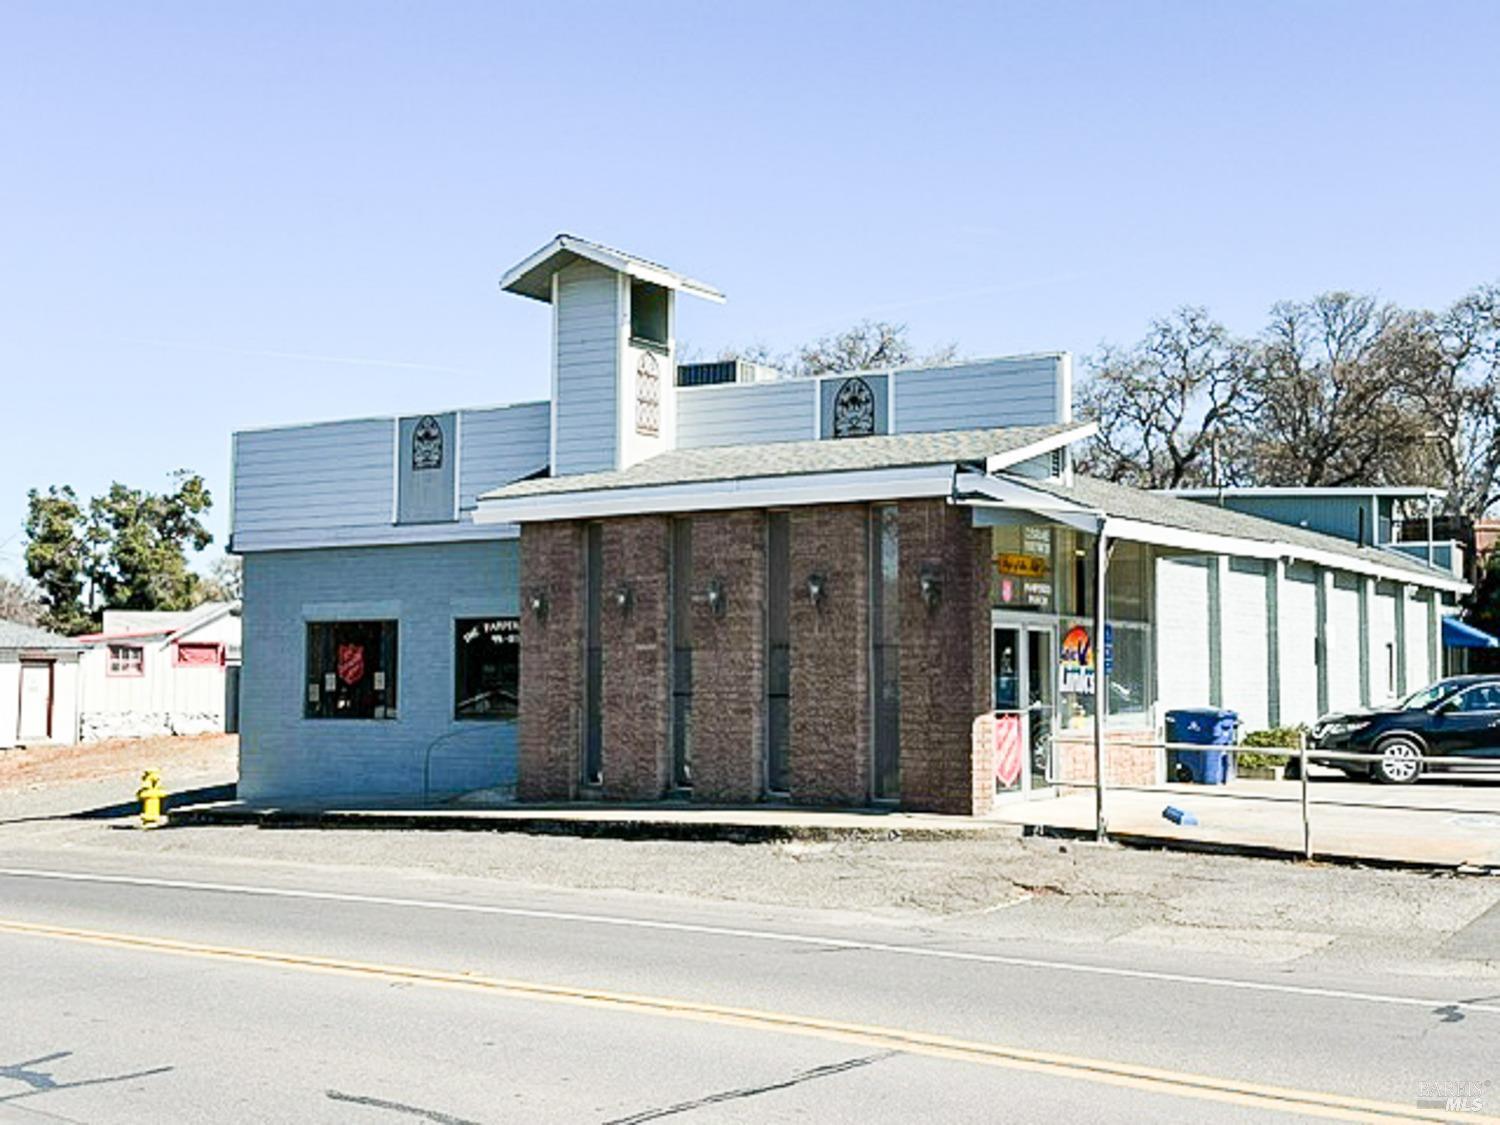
x=425 y=589
x=743 y=413
x=588 y=341
x=334 y=483
x=1332 y=515
x=502 y=445
x=966 y=396
x=997 y=392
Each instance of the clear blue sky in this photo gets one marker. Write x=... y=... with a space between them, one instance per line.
x=216 y=216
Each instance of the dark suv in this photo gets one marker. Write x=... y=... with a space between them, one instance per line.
x=1454 y=718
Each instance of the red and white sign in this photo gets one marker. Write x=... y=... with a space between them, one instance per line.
x=351 y=664
x=1009 y=750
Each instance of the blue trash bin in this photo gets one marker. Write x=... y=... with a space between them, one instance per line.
x=1201 y=726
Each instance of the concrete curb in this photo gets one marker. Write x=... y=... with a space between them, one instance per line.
x=1146 y=842
x=620 y=827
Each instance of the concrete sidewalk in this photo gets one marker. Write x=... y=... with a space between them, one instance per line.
x=760 y=824
x=1435 y=823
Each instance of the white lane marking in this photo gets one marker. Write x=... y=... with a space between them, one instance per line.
x=849 y=944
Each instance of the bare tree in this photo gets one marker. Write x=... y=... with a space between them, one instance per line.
x=866 y=346
x=225 y=581
x=1334 y=395
x=1464 y=403
x=19 y=601
x=1168 y=406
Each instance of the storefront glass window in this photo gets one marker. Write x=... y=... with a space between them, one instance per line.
x=1023 y=574
x=351 y=670
x=487 y=666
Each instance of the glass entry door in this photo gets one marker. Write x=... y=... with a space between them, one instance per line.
x=1023 y=665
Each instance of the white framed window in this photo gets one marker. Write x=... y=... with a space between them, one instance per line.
x=127 y=660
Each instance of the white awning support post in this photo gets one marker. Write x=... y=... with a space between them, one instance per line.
x=1101 y=676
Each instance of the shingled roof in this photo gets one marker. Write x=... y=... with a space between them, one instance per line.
x=15 y=636
x=1125 y=502
x=794 y=458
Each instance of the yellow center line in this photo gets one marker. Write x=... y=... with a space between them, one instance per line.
x=1144 y=1078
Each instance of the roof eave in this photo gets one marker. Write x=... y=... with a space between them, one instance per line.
x=783 y=490
x=532 y=276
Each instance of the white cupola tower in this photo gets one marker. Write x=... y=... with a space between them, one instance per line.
x=614 y=351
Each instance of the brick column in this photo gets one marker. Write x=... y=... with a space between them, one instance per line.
x=829 y=758
x=944 y=660
x=637 y=690
x=551 y=705
x=729 y=657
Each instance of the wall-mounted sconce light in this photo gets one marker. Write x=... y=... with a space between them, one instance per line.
x=537 y=600
x=817 y=589
x=624 y=597
x=932 y=586
x=714 y=595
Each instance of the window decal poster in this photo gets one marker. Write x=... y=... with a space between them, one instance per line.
x=1076 y=659
x=351 y=663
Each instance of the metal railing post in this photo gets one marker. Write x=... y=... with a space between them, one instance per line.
x=1307 y=851
x=1101 y=678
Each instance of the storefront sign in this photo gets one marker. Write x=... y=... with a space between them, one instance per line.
x=1008 y=750
x=1076 y=662
x=1022 y=566
x=1036 y=541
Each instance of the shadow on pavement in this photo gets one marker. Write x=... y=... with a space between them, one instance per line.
x=131 y=808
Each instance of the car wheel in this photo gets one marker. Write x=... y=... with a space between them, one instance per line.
x=1400 y=762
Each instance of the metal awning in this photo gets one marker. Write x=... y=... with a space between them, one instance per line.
x=1458 y=634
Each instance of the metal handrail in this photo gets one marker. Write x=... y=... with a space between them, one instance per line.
x=1303 y=753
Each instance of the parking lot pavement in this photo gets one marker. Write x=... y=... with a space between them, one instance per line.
x=1441 y=822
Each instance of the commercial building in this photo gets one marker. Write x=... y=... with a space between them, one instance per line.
x=711 y=582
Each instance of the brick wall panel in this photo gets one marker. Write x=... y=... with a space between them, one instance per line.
x=551 y=662
x=829 y=755
x=637 y=685
x=729 y=657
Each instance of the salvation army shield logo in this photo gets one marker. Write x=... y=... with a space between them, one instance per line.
x=1008 y=750
x=351 y=665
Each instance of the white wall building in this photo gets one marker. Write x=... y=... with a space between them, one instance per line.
x=153 y=673
x=38 y=687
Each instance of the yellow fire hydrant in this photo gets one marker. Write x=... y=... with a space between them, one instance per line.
x=150 y=795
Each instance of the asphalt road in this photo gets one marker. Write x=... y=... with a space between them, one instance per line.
x=190 y=990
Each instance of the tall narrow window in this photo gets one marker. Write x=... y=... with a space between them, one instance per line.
x=778 y=649
x=593 y=688
x=885 y=634
x=682 y=653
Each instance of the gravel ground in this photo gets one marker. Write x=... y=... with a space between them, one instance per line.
x=1265 y=910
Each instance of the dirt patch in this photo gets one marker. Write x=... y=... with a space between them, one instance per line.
x=116 y=759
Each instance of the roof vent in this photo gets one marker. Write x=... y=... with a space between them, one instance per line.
x=724 y=371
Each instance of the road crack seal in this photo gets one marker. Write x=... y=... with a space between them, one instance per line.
x=399 y=1107
x=752 y=1091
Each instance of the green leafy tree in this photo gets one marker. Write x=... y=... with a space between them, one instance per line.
x=127 y=550
x=58 y=558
